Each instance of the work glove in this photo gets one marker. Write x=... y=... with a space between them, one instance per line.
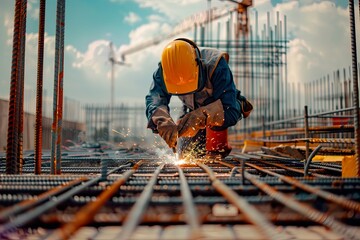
x=246 y=108
x=207 y=116
x=165 y=125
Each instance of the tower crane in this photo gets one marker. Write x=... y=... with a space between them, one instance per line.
x=186 y=25
x=200 y=18
x=242 y=15
x=113 y=61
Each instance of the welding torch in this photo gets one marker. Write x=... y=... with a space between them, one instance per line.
x=175 y=153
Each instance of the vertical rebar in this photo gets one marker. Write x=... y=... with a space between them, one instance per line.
x=39 y=88
x=245 y=47
x=54 y=125
x=276 y=61
x=306 y=126
x=195 y=32
x=328 y=91
x=12 y=134
x=355 y=84
x=218 y=36
x=285 y=74
x=61 y=89
x=346 y=90
x=267 y=30
x=324 y=94
x=20 y=93
x=252 y=68
x=112 y=92
x=350 y=88
x=202 y=35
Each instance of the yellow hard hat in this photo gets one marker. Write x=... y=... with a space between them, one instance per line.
x=180 y=67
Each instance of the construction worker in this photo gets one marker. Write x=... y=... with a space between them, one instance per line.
x=203 y=81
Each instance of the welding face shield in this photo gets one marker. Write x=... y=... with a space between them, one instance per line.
x=182 y=67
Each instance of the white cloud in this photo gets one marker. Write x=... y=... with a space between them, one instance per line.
x=33 y=9
x=93 y=60
x=171 y=8
x=156 y=18
x=321 y=44
x=9 y=27
x=132 y=18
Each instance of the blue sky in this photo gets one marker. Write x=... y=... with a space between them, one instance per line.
x=87 y=21
x=319 y=42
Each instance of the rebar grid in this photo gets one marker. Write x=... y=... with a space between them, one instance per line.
x=241 y=191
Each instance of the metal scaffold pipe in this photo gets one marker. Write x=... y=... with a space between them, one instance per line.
x=39 y=90
x=355 y=85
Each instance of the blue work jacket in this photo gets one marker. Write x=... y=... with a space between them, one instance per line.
x=217 y=84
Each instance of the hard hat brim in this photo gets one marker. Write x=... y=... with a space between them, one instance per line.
x=179 y=89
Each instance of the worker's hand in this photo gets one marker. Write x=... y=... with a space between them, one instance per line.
x=206 y=116
x=246 y=108
x=165 y=125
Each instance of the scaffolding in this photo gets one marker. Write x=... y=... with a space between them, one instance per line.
x=258 y=63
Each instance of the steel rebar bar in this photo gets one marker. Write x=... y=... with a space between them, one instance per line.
x=39 y=88
x=60 y=94
x=305 y=210
x=190 y=210
x=12 y=135
x=137 y=211
x=252 y=214
x=355 y=86
x=87 y=213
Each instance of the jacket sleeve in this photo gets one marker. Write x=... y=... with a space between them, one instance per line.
x=225 y=90
x=156 y=97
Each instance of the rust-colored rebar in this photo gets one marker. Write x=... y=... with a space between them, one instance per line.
x=12 y=164
x=258 y=158
x=252 y=214
x=39 y=89
x=20 y=93
x=7 y=213
x=61 y=89
x=138 y=210
x=355 y=86
x=304 y=209
x=54 y=162
x=339 y=200
x=87 y=213
x=190 y=209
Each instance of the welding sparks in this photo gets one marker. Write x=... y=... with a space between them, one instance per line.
x=124 y=135
x=180 y=162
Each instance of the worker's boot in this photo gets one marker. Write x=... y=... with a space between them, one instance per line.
x=217 y=143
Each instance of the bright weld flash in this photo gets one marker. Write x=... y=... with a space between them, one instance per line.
x=180 y=162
